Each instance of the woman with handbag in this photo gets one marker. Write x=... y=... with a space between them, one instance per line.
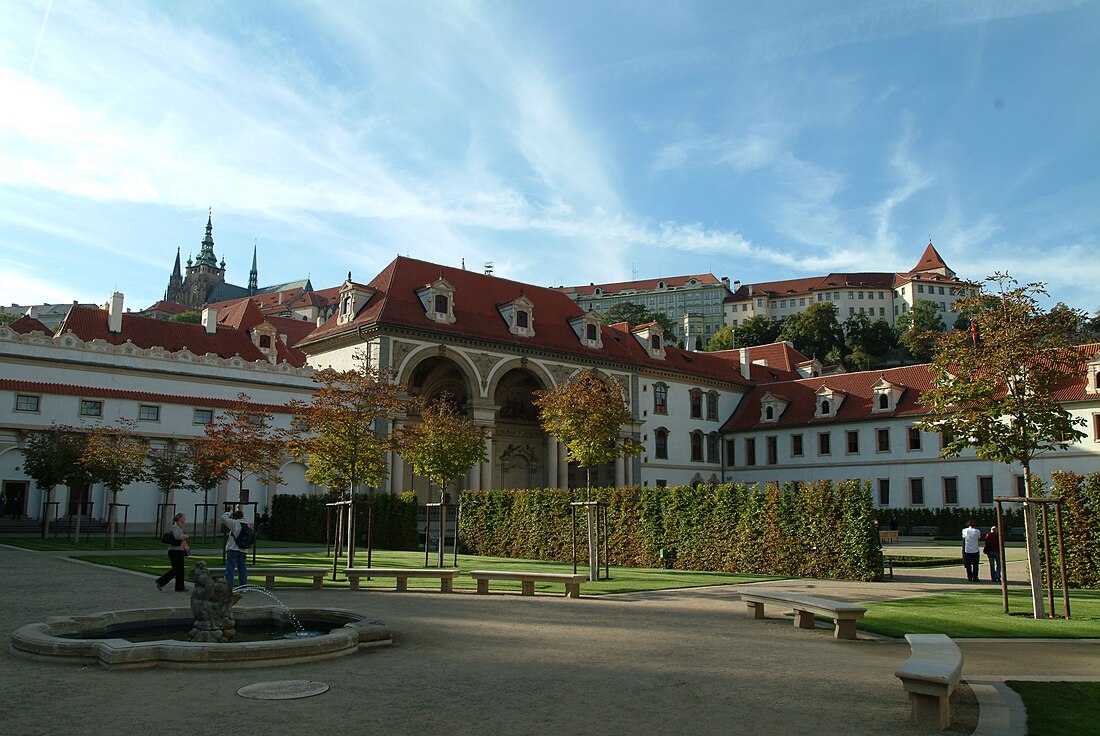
x=177 y=551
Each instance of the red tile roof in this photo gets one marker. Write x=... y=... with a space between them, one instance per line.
x=929 y=260
x=792 y=287
x=169 y=308
x=145 y=332
x=26 y=325
x=396 y=304
x=66 y=389
x=643 y=285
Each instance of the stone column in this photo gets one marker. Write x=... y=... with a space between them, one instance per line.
x=620 y=472
x=551 y=462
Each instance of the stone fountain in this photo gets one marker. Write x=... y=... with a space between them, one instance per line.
x=212 y=604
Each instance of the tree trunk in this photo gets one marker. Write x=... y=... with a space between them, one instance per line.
x=1032 y=539
x=111 y=520
x=79 y=517
x=593 y=547
x=45 y=512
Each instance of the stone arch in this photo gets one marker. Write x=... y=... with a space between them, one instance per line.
x=542 y=376
x=520 y=446
x=432 y=373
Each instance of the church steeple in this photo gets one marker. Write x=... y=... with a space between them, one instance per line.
x=176 y=271
x=206 y=255
x=253 y=275
x=174 y=292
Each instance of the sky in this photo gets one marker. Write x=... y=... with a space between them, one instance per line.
x=566 y=142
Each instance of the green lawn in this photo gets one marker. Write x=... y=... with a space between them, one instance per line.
x=1059 y=708
x=96 y=544
x=978 y=614
x=623 y=579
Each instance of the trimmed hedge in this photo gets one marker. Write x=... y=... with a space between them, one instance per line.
x=816 y=529
x=302 y=519
x=949 y=521
x=1080 y=529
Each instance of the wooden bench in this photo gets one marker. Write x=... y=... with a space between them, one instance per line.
x=270 y=573
x=930 y=676
x=446 y=576
x=925 y=531
x=888 y=537
x=805 y=606
x=528 y=580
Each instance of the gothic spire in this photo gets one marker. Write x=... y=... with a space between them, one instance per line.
x=176 y=269
x=253 y=275
x=206 y=254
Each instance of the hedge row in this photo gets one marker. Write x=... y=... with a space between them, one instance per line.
x=303 y=519
x=817 y=529
x=949 y=521
x=1080 y=528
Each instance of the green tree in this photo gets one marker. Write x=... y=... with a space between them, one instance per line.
x=339 y=433
x=115 y=455
x=721 y=340
x=169 y=467
x=190 y=318
x=636 y=314
x=6 y=318
x=996 y=396
x=443 y=445
x=243 y=443
x=756 y=330
x=815 y=332
x=51 y=457
x=869 y=339
x=921 y=326
x=207 y=468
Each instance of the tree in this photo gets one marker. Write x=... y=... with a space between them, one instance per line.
x=721 y=340
x=207 y=468
x=115 y=455
x=338 y=433
x=51 y=457
x=636 y=314
x=190 y=318
x=443 y=445
x=169 y=466
x=6 y=318
x=242 y=443
x=815 y=333
x=868 y=339
x=585 y=414
x=756 y=330
x=993 y=388
x=920 y=327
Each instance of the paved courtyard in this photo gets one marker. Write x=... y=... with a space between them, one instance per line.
x=682 y=662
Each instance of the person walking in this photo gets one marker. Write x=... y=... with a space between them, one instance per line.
x=235 y=558
x=992 y=551
x=177 y=552
x=972 y=557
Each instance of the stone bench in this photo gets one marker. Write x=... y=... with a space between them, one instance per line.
x=930 y=676
x=270 y=573
x=925 y=531
x=528 y=580
x=805 y=606
x=446 y=576
x=888 y=537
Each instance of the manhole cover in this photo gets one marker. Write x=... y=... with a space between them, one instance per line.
x=283 y=690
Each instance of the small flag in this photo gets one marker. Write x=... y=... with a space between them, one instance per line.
x=974 y=332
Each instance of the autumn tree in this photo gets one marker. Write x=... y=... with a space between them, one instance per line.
x=993 y=388
x=169 y=467
x=115 y=455
x=51 y=457
x=243 y=442
x=206 y=469
x=339 y=434
x=443 y=445
x=921 y=326
x=585 y=414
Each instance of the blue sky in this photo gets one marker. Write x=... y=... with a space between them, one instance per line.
x=567 y=142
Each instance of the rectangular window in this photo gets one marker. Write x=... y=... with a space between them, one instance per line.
x=883 y=491
x=883 y=436
x=985 y=489
x=712 y=447
x=773 y=450
x=1096 y=427
x=796 y=445
x=203 y=416
x=25 y=402
x=951 y=491
x=441 y=303
x=696 y=405
x=731 y=452
x=750 y=451
x=851 y=295
x=916 y=491
x=920 y=288
x=661 y=483
x=914 y=438
x=852 y=437
x=851 y=311
x=149 y=413
x=823 y=445
x=882 y=311
x=91 y=408
x=712 y=407
x=521 y=319
x=802 y=302
x=861 y=295
x=941 y=290
x=1020 y=488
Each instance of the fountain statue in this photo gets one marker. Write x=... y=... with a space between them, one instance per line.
x=212 y=604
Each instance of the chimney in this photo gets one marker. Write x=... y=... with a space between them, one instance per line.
x=210 y=320
x=744 y=360
x=320 y=320
x=114 y=312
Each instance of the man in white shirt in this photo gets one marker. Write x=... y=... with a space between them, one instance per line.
x=972 y=551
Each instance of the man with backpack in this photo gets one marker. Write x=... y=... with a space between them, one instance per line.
x=240 y=539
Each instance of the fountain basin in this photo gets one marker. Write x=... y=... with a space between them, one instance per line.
x=70 y=638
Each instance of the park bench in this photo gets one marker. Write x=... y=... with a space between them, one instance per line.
x=930 y=676
x=270 y=573
x=925 y=531
x=528 y=580
x=446 y=576
x=805 y=606
x=888 y=537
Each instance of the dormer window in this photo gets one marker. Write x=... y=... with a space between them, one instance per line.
x=521 y=319
x=828 y=402
x=590 y=332
x=651 y=338
x=883 y=401
x=519 y=315
x=438 y=301
x=655 y=342
x=771 y=407
x=353 y=297
x=824 y=409
x=587 y=328
x=886 y=395
x=769 y=413
x=1092 y=372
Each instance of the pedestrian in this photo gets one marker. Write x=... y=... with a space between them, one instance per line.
x=177 y=551
x=993 y=553
x=235 y=557
x=971 y=555
x=893 y=523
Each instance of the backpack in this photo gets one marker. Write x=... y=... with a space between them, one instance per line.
x=168 y=537
x=245 y=538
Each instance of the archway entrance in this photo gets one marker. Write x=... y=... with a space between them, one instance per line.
x=432 y=380
x=519 y=442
